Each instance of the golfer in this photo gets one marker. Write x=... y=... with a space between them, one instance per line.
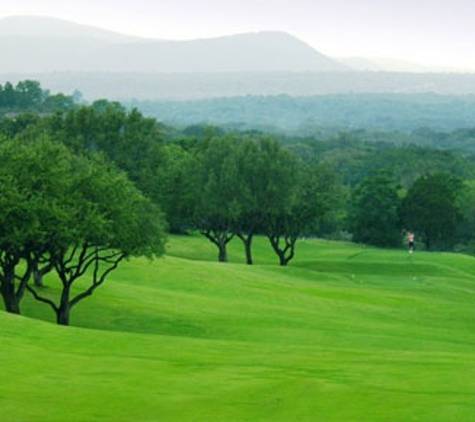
x=410 y=241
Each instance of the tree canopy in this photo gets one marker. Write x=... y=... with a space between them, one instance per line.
x=27 y=95
x=230 y=184
x=430 y=209
x=76 y=212
x=375 y=211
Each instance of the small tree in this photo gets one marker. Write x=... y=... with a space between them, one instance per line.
x=217 y=194
x=279 y=198
x=374 y=215
x=430 y=209
x=252 y=181
x=313 y=196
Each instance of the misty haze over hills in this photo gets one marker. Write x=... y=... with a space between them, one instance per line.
x=65 y=56
x=391 y=65
x=34 y=44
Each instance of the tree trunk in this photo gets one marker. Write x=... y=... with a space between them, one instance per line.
x=10 y=299
x=7 y=289
x=247 y=246
x=39 y=273
x=220 y=239
x=247 y=241
x=64 y=309
x=223 y=252
x=62 y=316
x=286 y=253
x=283 y=261
x=38 y=277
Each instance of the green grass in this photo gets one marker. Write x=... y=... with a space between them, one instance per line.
x=345 y=333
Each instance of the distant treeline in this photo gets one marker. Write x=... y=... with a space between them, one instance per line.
x=189 y=172
x=303 y=115
x=355 y=159
x=28 y=95
x=124 y=86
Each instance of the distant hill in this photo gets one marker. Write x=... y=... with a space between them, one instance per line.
x=38 y=44
x=65 y=57
x=44 y=28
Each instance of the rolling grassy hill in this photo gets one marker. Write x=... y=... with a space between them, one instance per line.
x=346 y=333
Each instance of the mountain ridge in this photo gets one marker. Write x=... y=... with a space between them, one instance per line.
x=44 y=44
x=43 y=27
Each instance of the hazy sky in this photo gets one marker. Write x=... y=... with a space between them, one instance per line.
x=430 y=32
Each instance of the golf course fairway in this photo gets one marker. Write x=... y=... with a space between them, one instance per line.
x=344 y=333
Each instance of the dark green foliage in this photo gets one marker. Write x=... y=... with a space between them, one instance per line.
x=109 y=220
x=34 y=193
x=173 y=186
x=228 y=184
x=280 y=199
x=28 y=95
x=243 y=187
x=126 y=138
x=284 y=197
x=466 y=205
x=252 y=166
x=68 y=212
x=374 y=214
x=430 y=209
x=217 y=192
x=24 y=124
x=355 y=160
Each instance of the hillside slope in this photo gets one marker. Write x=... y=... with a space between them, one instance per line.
x=345 y=333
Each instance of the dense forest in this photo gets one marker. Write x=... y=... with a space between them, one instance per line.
x=225 y=182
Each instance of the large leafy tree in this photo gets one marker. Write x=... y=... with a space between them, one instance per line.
x=15 y=232
x=217 y=192
x=311 y=193
x=173 y=187
x=430 y=209
x=34 y=181
x=107 y=221
x=252 y=186
x=375 y=211
x=75 y=214
x=130 y=140
x=279 y=198
x=252 y=180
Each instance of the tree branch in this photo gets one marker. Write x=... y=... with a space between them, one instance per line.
x=24 y=280
x=41 y=299
x=98 y=280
